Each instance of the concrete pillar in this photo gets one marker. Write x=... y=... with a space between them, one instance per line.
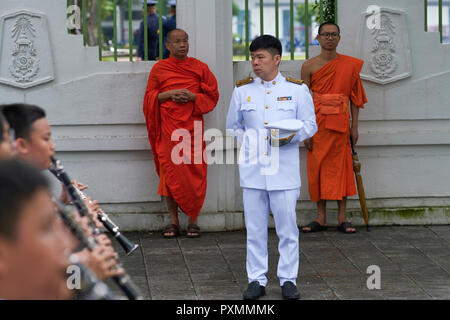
x=209 y=25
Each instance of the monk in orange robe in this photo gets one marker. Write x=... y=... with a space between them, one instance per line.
x=180 y=91
x=334 y=81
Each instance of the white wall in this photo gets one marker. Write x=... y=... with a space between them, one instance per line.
x=95 y=109
x=404 y=129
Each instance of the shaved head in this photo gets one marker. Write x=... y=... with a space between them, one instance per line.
x=178 y=43
x=176 y=31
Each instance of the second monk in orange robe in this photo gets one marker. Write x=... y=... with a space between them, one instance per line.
x=334 y=80
x=180 y=90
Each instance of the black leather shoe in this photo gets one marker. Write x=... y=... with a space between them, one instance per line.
x=289 y=291
x=254 y=291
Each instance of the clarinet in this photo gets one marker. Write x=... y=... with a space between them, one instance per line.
x=58 y=171
x=123 y=281
x=109 y=225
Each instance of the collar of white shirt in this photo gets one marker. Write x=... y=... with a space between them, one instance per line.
x=273 y=82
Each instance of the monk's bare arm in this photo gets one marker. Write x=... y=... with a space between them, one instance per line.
x=306 y=73
x=354 y=128
x=164 y=96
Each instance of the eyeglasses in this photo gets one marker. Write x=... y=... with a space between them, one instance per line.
x=328 y=35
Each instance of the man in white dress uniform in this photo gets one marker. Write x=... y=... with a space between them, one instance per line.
x=269 y=165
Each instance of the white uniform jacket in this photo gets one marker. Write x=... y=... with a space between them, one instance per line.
x=255 y=105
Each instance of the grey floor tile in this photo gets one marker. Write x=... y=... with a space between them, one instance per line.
x=414 y=263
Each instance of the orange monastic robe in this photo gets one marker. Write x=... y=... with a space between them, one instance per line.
x=330 y=167
x=185 y=181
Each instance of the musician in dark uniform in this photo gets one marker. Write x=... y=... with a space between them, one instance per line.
x=170 y=24
x=153 y=33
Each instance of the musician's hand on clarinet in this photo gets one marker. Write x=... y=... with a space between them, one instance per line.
x=83 y=256
x=93 y=205
x=84 y=222
x=80 y=186
x=102 y=261
x=93 y=211
x=64 y=197
x=103 y=239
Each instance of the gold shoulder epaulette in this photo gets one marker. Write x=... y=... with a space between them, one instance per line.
x=293 y=80
x=243 y=82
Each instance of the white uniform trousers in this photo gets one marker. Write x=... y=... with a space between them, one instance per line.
x=257 y=204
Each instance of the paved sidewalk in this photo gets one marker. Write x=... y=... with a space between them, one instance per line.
x=414 y=263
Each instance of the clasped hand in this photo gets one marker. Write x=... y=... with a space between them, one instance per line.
x=181 y=96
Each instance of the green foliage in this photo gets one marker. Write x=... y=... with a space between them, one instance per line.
x=236 y=9
x=313 y=13
x=329 y=7
x=238 y=49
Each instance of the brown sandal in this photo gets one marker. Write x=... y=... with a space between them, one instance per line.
x=194 y=230
x=171 y=228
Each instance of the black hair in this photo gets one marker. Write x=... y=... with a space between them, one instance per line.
x=267 y=42
x=19 y=182
x=326 y=23
x=21 y=118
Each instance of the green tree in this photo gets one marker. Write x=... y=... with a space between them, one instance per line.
x=236 y=9
x=329 y=8
x=313 y=13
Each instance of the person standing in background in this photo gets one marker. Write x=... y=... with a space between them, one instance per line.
x=153 y=33
x=170 y=24
x=179 y=92
x=334 y=81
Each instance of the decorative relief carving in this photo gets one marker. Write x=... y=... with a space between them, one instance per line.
x=385 y=48
x=383 y=61
x=25 y=51
x=25 y=65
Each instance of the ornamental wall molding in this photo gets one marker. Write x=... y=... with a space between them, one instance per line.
x=384 y=46
x=25 y=51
